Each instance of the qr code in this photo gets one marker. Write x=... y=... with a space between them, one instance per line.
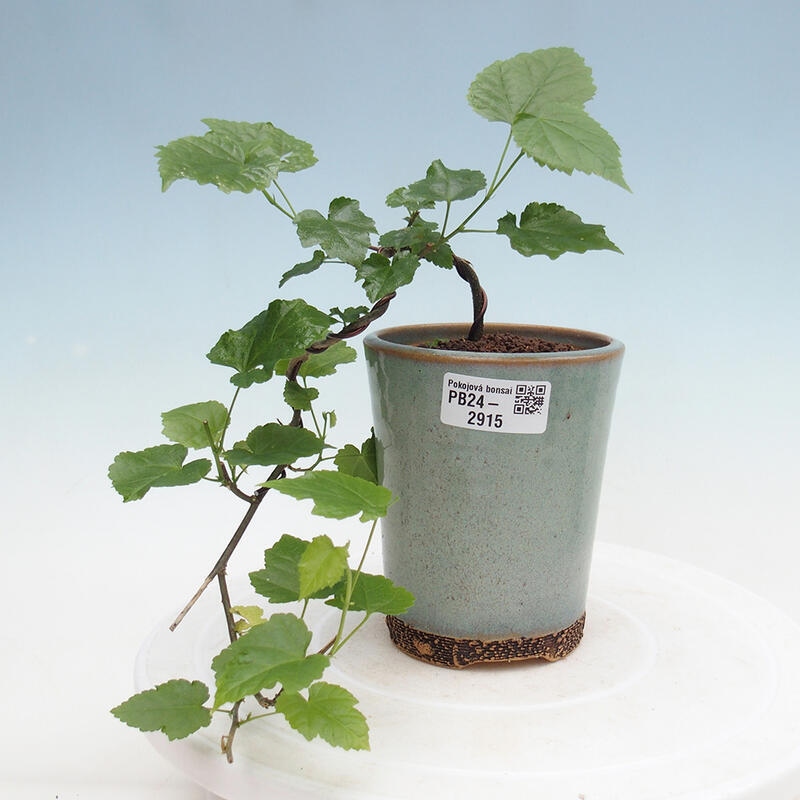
x=529 y=398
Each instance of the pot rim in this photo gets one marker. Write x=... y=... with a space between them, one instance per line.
x=403 y=341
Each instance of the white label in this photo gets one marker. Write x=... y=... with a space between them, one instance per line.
x=495 y=405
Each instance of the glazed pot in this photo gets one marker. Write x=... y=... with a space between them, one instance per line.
x=497 y=461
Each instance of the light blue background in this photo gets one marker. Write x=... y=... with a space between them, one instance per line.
x=113 y=292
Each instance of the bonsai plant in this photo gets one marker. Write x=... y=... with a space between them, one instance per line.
x=269 y=667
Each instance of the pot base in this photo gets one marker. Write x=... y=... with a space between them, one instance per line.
x=447 y=651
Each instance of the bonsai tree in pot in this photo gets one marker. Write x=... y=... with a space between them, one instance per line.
x=518 y=405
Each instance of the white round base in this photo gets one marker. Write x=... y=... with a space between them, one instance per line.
x=684 y=686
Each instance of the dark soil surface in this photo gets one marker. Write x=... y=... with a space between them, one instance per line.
x=503 y=343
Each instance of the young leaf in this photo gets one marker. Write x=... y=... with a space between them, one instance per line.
x=329 y=713
x=299 y=397
x=415 y=237
x=250 y=617
x=349 y=315
x=567 y=138
x=133 y=474
x=549 y=229
x=233 y=156
x=321 y=566
x=271 y=653
x=529 y=82
x=307 y=267
x=373 y=594
x=175 y=708
x=361 y=463
x=336 y=495
x=272 y=444
x=380 y=276
x=345 y=234
x=184 y=425
x=439 y=184
x=283 y=331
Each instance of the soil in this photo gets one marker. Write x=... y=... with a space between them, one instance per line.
x=504 y=343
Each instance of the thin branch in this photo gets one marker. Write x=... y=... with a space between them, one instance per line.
x=227 y=741
x=222 y=561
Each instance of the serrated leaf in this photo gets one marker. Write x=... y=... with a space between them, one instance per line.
x=307 y=267
x=268 y=654
x=549 y=229
x=321 y=566
x=329 y=712
x=362 y=463
x=133 y=474
x=380 y=276
x=415 y=237
x=440 y=184
x=344 y=234
x=273 y=444
x=283 y=331
x=374 y=594
x=299 y=397
x=566 y=138
x=320 y=365
x=233 y=156
x=184 y=425
x=337 y=496
x=279 y=581
x=529 y=82
x=349 y=314
x=542 y=96
x=175 y=708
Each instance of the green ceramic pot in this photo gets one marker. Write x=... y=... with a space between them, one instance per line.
x=497 y=462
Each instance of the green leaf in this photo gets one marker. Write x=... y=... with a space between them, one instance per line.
x=329 y=712
x=380 y=276
x=549 y=229
x=317 y=260
x=250 y=617
x=530 y=82
x=421 y=233
x=283 y=331
x=279 y=581
x=184 y=425
x=273 y=444
x=133 y=474
x=271 y=653
x=320 y=365
x=439 y=184
x=361 y=463
x=321 y=566
x=299 y=397
x=345 y=234
x=175 y=708
x=566 y=138
x=542 y=96
x=421 y=238
x=350 y=314
x=373 y=594
x=336 y=495
x=233 y=156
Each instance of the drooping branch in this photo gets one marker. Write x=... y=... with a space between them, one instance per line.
x=218 y=570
